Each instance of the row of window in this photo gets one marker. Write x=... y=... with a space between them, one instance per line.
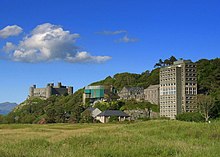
x=167 y=70
x=168 y=84
x=193 y=70
x=167 y=102
x=190 y=84
x=151 y=96
x=172 y=106
x=171 y=92
x=191 y=65
x=168 y=74
x=167 y=97
x=191 y=78
x=189 y=97
x=167 y=79
x=191 y=91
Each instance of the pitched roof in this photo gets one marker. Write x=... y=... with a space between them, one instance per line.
x=90 y=109
x=113 y=113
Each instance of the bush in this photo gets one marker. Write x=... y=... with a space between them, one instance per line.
x=86 y=117
x=190 y=117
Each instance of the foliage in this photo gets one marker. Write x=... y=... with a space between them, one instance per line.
x=55 y=110
x=128 y=79
x=190 y=117
x=114 y=105
x=205 y=104
x=86 y=117
x=133 y=104
x=208 y=72
x=166 y=62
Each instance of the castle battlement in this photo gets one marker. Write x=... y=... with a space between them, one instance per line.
x=50 y=90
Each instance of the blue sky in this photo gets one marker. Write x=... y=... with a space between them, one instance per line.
x=99 y=38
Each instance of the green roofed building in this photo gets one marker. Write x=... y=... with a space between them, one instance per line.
x=93 y=93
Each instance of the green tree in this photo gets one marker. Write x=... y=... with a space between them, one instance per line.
x=86 y=117
x=190 y=117
x=205 y=104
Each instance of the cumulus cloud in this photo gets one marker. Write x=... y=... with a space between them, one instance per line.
x=85 y=57
x=111 y=32
x=9 y=47
x=48 y=42
x=8 y=31
x=126 y=39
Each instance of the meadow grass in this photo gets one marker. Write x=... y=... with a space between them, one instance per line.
x=140 y=139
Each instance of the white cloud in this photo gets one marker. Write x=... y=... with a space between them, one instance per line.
x=85 y=57
x=8 y=31
x=126 y=39
x=49 y=42
x=112 y=32
x=9 y=47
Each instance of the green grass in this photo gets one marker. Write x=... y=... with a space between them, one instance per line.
x=150 y=138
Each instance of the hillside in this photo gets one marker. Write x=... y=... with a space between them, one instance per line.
x=129 y=79
x=6 y=107
x=141 y=139
x=56 y=109
x=208 y=75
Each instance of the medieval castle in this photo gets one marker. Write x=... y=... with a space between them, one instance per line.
x=50 y=90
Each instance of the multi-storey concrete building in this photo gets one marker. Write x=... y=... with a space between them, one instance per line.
x=151 y=94
x=50 y=90
x=178 y=88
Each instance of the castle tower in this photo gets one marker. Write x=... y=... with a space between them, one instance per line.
x=31 y=90
x=59 y=84
x=48 y=91
x=70 y=90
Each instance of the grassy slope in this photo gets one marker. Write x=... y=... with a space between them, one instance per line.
x=151 y=138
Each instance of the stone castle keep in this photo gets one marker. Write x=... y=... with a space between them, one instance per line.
x=50 y=90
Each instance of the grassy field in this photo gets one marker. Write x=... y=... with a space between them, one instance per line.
x=150 y=138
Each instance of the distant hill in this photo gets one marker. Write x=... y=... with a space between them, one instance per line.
x=7 y=107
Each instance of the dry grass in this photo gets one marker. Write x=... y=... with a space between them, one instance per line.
x=151 y=138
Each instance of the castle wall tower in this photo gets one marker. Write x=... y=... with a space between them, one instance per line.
x=59 y=84
x=70 y=90
x=49 y=91
x=31 y=90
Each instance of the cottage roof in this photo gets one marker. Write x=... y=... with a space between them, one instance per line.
x=113 y=113
x=91 y=109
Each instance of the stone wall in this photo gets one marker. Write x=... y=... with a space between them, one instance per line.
x=136 y=114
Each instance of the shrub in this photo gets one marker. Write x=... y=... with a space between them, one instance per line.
x=190 y=117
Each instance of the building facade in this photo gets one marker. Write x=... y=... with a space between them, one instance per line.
x=128 y=93
x=151 y=94
x=93 y=93
x=50 y=90
x=178 y=88
x=106 y=115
